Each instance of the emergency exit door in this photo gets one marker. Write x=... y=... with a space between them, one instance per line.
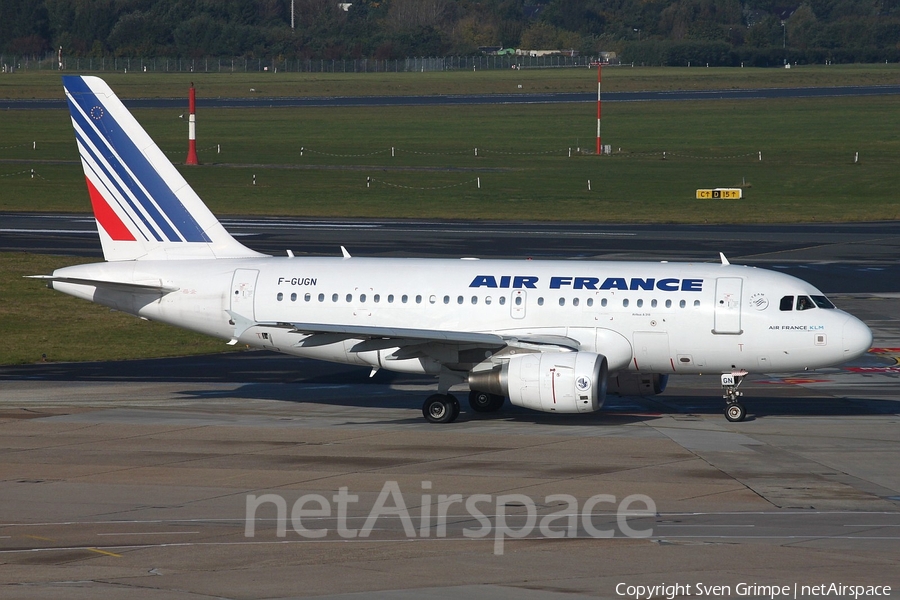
x=243 y=288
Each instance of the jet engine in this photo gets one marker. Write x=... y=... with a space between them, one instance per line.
x=637 y=384
x=564 y=382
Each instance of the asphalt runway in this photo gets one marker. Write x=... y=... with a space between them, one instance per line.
x=451 y=100
x=836 y=258
x=135 y=479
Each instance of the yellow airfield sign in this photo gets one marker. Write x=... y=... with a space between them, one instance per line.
x=719 y=194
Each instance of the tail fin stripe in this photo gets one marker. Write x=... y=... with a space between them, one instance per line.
x=144 y=208
x=103 y=178
x=126 y=158
x=112 y=166
x=106 y=217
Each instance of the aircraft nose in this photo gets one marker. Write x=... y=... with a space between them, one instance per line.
x=857 y=338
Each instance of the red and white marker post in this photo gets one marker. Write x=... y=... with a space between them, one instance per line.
x=192 y=129
x=599 y=142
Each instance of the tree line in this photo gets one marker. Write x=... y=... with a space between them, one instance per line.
x=653 y=32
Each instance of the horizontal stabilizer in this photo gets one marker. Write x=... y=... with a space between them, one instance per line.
x=134 y=288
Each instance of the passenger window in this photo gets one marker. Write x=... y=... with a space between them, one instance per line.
x=540 y=301
x=362 y=297
x=390 y=298
x=518 y=300
x=418 y=299
x=804 y=303
x=460 y=300
x=376 y=298
x=787 y=303
x=294 y=297
x=349 y=297
x=446 y=299
x=321 y=297
x=432 y=299
x=653 y=304
x=668 y=304
x=625 y=302
x=474 y=299
x=306 y=297
x=502 y=300
x=334 y=297
x=574 y=301
x=487 y=300
x=640 y=303
x=603 y=303
x=279 y=297
x=404 y=298
x=562 y=301
x=590 y=301
x=682 y=304
x=696 y=303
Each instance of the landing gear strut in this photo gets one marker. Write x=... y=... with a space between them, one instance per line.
x=734 y=410
x=440 y=408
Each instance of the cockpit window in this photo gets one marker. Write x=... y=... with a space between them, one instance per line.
x=804 y=303
x=822 y=302
x=787 y=303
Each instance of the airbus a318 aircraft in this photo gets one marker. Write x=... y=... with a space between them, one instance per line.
x=553 y=336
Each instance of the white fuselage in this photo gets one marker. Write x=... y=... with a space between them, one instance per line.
x=665 y=318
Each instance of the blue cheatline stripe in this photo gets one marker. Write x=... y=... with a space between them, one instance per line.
x=118 y=192
x=130 y=155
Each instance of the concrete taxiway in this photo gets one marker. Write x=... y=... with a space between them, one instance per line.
x=133 y=480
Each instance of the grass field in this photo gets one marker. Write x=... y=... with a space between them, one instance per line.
x=808 y=170
x=46 y=84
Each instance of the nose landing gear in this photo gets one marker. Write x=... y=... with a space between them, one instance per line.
x=734 y=410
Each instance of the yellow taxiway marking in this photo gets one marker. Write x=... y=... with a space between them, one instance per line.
x=98 y=551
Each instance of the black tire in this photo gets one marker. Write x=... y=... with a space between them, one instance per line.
x=483 y=402
x=735 y=412
x=456 y=408
x=440 y=408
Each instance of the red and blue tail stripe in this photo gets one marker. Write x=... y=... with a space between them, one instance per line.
x=123 y=175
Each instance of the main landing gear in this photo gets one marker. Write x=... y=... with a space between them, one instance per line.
x=440 y=408
x=734 y=410
x=444 y=408
x=484 y=402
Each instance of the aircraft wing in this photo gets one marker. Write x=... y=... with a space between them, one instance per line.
x=386 y=337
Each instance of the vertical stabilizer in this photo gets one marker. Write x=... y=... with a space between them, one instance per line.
x=143 y=206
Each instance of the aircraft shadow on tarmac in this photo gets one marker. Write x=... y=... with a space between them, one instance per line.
x=271 y=376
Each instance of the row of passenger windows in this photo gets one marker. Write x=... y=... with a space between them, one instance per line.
x=805 y=303
x=517 y=300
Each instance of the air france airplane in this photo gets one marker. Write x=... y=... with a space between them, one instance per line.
x=552 y=336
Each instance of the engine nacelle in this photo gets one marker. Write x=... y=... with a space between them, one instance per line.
x=564 y=382
x=637 y=384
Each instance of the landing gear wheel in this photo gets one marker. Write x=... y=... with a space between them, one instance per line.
x=735 y=412
x=440 y=408
x=484 y=402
